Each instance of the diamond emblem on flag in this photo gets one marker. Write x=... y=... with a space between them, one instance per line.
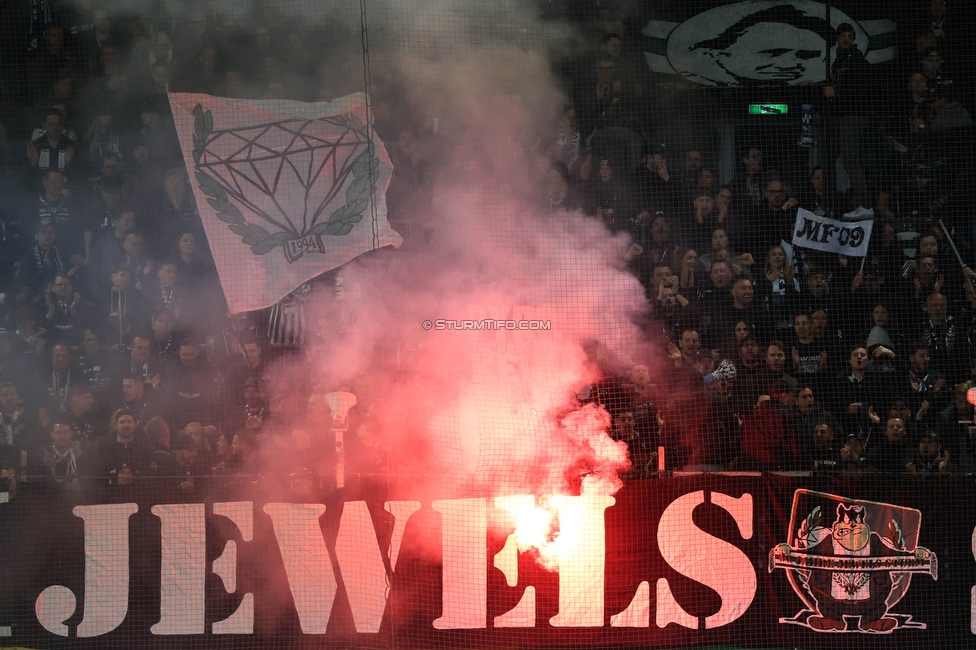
x=287 y=183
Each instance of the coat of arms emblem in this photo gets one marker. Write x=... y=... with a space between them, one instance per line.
x=851 y=562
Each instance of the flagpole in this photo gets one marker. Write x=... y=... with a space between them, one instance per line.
x=958 y=256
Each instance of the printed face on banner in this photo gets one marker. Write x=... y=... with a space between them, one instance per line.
x=767 y=42
x=850 y=562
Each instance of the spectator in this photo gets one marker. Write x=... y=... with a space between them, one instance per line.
x=29 y=337
x=70 y=226
x=816 y=198
x=165 y=342
x=688 y=177
x=569 y=141
x=685 y=354
x=743 y=308
x=696 y=230
x=846 y=94
x=778 y=287
x=80 y=413
x=15 y=421
x=109 y=252
x=159 y=438
x=560 y=195
x=156 y=147
x=53 y=150
x=769 y=436
x=67 y=313
x=828 y=336
x=622 y=429
x=931 y=459
x=926 y=387
x=940 y=88
x=136 y=401
x=224 y=455
x=707 y=182
x=940 y=336
x=245 y=461
x=43 y=261
x=175 y=214
x=759 y=386
x=138 y=361
x=893 y=452
x=667 y=317
x=955 y=421
x=883 y=360
x=62 y=457
x=687 y=272
x=601 y=103
x=203 y=78
x=123 y=455
x=167 y=294
x=771 y=222
x=137 y=259
x=811 y=414
x=103 y=140
x=611 y=201
x=748 y=365
x=822 y=453
x=810 y=360
x=125 y=308
x=856 y=394
x=192 y=265
x=62 y=369
x=660 y=246
x=747 y=184
x=658 y=193
x=191 y=398
x=189 y=467
x=206 y=449
x=108 y=189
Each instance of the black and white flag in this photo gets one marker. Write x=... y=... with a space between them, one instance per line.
x=820 y=233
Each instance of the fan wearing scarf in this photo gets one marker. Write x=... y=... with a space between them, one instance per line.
x=62 y=457
x=43 y=261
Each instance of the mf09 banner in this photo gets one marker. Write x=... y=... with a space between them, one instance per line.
x=681 y=561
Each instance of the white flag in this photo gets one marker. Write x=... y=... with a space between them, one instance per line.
x=823 y=234
x=287 y=190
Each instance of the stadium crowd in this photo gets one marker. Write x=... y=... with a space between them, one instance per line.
x=114 y=367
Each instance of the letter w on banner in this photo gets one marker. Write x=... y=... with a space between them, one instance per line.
x=823 y=234
x=285 y=189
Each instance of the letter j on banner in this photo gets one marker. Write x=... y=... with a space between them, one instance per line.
x=832 y=236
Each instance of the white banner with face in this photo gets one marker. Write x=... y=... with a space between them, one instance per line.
x=823 y=234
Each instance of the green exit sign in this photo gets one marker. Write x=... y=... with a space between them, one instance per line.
x=768 y=109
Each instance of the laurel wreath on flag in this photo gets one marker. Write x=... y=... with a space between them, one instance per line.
x=365 y=173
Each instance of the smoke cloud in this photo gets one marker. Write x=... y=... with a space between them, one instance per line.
x=484 y=411
x=490 y=411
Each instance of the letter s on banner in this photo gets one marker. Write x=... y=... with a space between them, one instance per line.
x=705 y=559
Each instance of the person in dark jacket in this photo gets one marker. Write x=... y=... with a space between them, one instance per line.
x=846 y=95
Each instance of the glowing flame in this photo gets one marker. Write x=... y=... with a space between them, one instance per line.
x=537 y=529
x=549 y=528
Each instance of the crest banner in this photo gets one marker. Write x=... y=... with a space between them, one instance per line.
x=286 y=190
